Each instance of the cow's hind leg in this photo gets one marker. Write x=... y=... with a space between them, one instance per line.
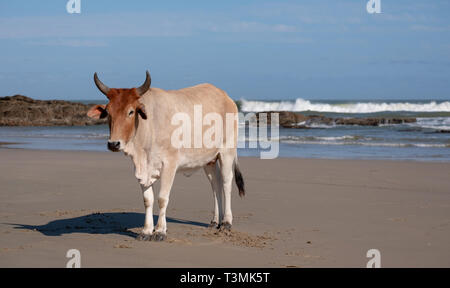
x=167 y=177
x=214 y=178
x=226 y=167
x=147 y=232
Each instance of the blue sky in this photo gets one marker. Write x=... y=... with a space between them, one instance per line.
x=252 y=49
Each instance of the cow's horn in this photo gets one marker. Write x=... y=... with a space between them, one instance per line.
x=144 y=88
x=102 y=87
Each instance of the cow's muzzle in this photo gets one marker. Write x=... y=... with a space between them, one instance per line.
x=114 y=146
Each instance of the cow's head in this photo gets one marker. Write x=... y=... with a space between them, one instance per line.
x=122 y=110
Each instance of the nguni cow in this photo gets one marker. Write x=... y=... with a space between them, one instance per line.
x=140 y=125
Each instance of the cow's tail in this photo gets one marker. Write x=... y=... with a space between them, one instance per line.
x=238 y=178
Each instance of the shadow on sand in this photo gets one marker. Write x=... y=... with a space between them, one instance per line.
x=99 y=223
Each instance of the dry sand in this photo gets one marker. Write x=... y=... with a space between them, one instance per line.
x=297 y=213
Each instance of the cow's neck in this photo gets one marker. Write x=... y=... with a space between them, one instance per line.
x=138 y=147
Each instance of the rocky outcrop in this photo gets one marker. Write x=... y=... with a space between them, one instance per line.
x=296 y=120
x=20 y=110
x=285 y=118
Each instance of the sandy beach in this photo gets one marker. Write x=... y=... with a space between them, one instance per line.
x=297 y=213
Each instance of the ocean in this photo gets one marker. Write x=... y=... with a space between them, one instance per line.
x=426 y=140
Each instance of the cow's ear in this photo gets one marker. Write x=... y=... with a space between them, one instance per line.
x=141 y=111
x=97 y=112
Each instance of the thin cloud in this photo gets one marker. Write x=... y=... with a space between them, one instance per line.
x=130 y=25
x=117 y=25
x=70 y=43
x=250 y=27
x=429 y=28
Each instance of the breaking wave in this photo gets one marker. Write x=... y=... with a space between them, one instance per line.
x=442 y=123
x=359 y=107
x=356 y=140
x=348 y=140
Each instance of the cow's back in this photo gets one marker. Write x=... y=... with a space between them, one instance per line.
x=161 y=106
x=209 y=96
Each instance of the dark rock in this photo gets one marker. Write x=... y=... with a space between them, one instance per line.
x=373 y=121
x=20 y=110
x=289 y=119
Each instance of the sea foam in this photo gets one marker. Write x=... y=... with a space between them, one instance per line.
x=358 y=107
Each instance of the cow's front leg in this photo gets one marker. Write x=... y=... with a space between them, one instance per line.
x=147 y=232
x=167 y=176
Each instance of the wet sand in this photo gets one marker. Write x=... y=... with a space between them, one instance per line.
x=297 y=213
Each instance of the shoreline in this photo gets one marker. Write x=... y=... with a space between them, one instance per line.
x=3 y=144
x=297 y=213
x=304 y=136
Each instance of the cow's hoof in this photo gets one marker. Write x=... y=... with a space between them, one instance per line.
x=144 y=237
x=213 y=224
x=158 y=237
x=225 y=226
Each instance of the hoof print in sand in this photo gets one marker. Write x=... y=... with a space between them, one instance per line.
x=225 y=227
x=239 y=238
x=213 y=224
x=144 y=237
x=158 y=237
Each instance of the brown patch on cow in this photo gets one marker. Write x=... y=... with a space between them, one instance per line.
x=121 y=102
x=162 y=202
x=123 y=109
x=97 y=112
x=147 y=203
x=213 y=162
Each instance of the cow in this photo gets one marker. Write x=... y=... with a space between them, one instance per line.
x=140 y=125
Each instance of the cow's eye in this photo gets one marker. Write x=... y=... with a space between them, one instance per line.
x=130 y=113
